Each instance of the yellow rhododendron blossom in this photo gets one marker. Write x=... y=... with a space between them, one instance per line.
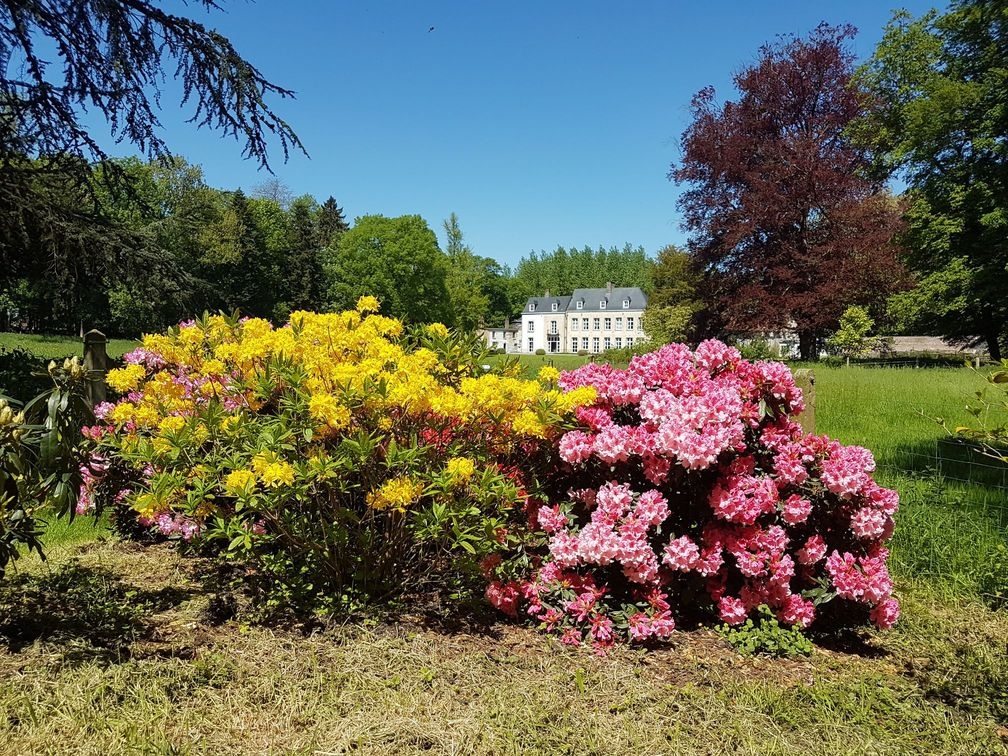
x=239 y=482
x=126 y=379
x=438 y=329
x=171 y=425
x=527 y=423
x=549 y=374
x=276 y=474
x=328 y=411
x=367 y=304
x=397 y=493
x=460 y=469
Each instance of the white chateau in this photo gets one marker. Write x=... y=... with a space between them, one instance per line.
x=589 y=320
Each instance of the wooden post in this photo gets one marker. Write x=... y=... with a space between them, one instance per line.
x=805 y=380
x=96 y=364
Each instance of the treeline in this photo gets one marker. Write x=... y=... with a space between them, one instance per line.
x=157 y=245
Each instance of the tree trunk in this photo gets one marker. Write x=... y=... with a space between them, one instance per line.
x=993 y=347
x=807 y=346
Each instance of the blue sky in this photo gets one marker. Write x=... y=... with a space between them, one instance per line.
x=538 y=123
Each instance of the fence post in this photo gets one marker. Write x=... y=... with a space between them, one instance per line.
x=96 y=364
x=805 y=380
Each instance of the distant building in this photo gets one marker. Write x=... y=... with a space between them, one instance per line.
x=502 y=338
x=588 y=320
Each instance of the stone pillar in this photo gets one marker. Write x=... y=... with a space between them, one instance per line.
x=96 y=364
x=805 y=380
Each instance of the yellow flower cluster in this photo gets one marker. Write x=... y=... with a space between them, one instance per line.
x=125 y=379
x=459 y=470
x=352 y=363
x=239 y=482
x=397 y=493
x=272 y=471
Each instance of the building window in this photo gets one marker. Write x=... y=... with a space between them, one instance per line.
x=607 y=343
x=584 y=343
x=601 y=305
x=595 y=344
x=531 y=328
x=531 y=345
x=608 y=324
x=619 y=324
x=626 y=303
x=629 y=341
x=574 y=323
x=531 y=306
x=596 y=323
x=584 y=322
x=580 y=304
x=553 y=327
x=574 y=344
x=629 y=324
x=619 y=343
x=554 y=307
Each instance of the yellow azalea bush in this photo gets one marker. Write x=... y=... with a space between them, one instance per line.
x=339 y=452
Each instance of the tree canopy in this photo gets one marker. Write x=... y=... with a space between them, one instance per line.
x=940 y=85
x=396 y=260
x=62 y=58
x=783 y=222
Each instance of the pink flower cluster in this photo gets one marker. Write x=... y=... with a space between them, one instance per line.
x=690 y=489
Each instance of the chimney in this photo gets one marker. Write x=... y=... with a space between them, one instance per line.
x=608 y=287
x=546 y=295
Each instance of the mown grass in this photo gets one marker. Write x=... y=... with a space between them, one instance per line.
x=126 y=662
x=50 y=347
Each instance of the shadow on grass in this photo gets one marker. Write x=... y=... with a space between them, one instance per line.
x=91 y=613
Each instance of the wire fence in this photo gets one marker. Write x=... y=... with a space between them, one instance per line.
x=952 y=528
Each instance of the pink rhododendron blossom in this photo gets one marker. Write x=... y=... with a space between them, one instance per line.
x=797 y=611
x=846 y=471
x=885 y=614
x=796 y=509
x=503 y=596
x=868 y=523
x=571 y=637
x=732 y=610
x=551 y=519
x=681 y=554
x=813 y=550
x=575 y=446
x=704 y=443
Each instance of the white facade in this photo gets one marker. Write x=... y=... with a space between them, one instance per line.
x=590 y=320
x=543 y=325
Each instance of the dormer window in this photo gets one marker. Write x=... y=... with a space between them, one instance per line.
x=602 y=304
x=580 y=304
x=626 y=303
x=531 y=306
x=554 y=307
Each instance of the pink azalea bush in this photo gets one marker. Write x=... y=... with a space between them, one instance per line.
x=687 y=488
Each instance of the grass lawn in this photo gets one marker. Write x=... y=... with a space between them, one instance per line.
x=48 y=347
x=112 y=647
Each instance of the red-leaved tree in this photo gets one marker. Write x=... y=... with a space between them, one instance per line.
x=783 y=218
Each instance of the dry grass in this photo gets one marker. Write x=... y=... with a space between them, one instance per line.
x=121 y=659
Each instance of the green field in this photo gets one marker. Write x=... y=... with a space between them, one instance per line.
x=112 y=647
x=59 y=347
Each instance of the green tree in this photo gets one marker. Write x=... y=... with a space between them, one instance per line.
x=331 y=223
x=395 y=259
x=673 y=302
x=563 y=270
x=302 y=267
x=941 y=124
x=851 y=339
